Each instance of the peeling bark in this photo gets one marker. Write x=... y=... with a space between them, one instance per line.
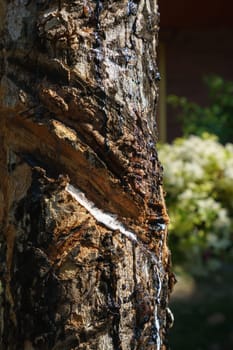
x=83 y=244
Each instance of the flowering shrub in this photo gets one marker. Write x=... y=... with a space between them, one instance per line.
x=198 y=179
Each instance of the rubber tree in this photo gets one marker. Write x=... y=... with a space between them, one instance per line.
x=83 y=243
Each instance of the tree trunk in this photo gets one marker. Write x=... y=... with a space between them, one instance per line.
x=84 y=257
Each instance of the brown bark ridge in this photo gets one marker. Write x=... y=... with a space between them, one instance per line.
x=83 y=244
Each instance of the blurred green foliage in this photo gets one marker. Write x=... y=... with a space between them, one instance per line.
x=216 y=118
x=198 y=179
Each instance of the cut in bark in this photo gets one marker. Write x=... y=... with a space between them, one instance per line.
x=83 y=244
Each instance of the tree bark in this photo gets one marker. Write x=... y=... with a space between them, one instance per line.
x=83 y=244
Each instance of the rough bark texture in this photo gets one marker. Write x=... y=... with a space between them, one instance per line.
x=83 y=266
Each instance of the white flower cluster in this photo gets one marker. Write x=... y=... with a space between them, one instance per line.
x=198 y=179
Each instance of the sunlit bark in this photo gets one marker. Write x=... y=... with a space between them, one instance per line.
x=84 y=257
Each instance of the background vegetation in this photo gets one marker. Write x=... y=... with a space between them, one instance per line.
x=199 y=183
x=215 y=118
x=198 y=180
